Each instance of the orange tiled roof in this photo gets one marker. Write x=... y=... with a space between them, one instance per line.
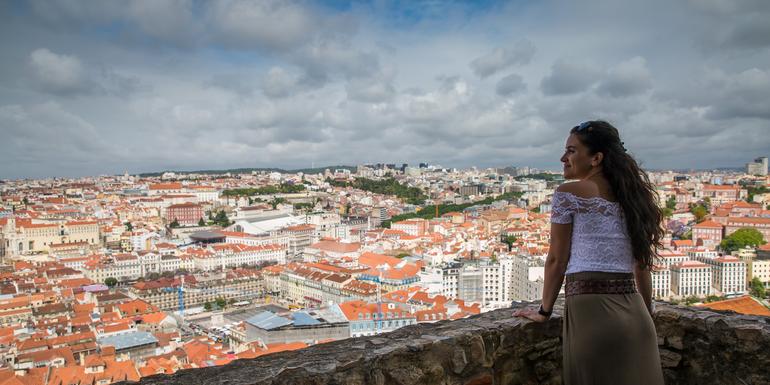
x=743 y=305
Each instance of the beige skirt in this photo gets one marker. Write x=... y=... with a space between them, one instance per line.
x=609 y=338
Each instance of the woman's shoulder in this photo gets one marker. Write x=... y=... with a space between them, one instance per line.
x=580 y=189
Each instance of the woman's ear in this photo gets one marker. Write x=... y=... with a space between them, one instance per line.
x=597 y=160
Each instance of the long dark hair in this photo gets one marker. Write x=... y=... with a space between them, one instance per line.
x=631 y=186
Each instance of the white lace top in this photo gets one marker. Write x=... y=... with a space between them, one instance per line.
x=600 y=239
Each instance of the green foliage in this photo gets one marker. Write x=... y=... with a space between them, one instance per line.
x=221 y=219
x=129 y=226
x=221 y=302
x=111 y=282
x=174 y=224
x=699 y=211
x=282 y=188
x=207 y=306
x=153 y=276
x=691 y=300
x=388 y=186
x=201 y=222
x=742 y=238
x=713 y=298
x=757 y=288
x=542 y=176
x=276 y=201
x=430 y=212
x=687 y=235
x=667 y=212
x=303 y=206
x=509 y=240
x=754 y=191
x=671 y=203
x=402 y=255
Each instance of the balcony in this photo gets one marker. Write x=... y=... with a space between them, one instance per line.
x=696 y=347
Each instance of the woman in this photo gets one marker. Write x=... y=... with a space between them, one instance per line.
x=609 y=336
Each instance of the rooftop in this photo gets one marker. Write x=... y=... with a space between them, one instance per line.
x=128 y=340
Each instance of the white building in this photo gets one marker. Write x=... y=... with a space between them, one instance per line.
x=691 y=278
x=661 y=282
x=669 y=258
x=527 y=277
x=234 y=255
x=728 y=275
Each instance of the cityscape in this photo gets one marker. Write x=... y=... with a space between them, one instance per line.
x=325 y=192
x=120 y=277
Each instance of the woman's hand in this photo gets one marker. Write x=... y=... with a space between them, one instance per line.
x=531 y=313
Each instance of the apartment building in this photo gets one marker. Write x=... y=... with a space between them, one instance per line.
x=691 y=278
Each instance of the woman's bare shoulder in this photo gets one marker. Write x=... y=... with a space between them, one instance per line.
x=582 y=188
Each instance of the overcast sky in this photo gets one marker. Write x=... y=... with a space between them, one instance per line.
x=103 y=87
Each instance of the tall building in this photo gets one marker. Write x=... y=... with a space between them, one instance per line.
x=661 y=282
x=757 y=167
x=691 y=278
x=729 y=275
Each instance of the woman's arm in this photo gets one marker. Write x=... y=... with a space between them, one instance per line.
x=555 y=266
x=556 y=263
x=643 y=278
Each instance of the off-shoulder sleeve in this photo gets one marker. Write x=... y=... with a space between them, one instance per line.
x=563 y=207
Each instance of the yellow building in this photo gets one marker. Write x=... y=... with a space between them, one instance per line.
x=22 y=236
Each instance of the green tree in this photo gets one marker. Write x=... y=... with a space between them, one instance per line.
x=742 y=238
x=25 y=201
x=667 y=212
x=429 y=213
x=221 y=219
x=276 y=201
x=221 y=302
x=757 y=288
x=755 y=190
x=509 y=240
x=671 y=203
x=700 y=212
x=129 y=226
x=111 y=282
x=207 y=306
x=174 y=224
x=201 y=222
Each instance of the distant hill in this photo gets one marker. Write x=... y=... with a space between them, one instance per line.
x=316 y=170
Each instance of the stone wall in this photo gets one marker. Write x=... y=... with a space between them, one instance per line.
x=696 y=346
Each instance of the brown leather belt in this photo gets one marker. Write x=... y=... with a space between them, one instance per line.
x=600 y=286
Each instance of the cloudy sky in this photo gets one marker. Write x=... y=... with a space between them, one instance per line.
x=99 y=87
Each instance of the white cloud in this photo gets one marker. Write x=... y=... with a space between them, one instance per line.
x=510 y=84
x=503 y=57
x=627 y=78
x=277 y=25
x=569 y=77
x=287 y=84
x=57 y=73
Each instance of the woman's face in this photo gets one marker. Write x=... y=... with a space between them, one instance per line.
x=577 y=159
